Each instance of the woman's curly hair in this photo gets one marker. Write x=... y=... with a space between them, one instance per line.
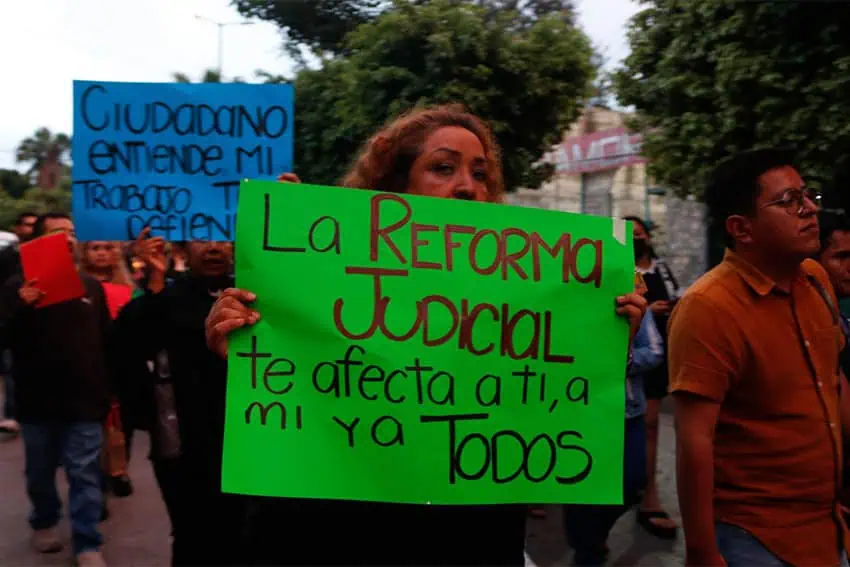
x=384 y=162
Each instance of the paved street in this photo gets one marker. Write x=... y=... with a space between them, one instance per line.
x=137 y=530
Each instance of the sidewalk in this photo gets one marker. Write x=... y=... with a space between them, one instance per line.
x=629 y=544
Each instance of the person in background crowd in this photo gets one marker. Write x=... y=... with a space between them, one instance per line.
x=754 y=346
x=104 y=261
x=25 y=225
x=662 y=293
x=62 y=397
x=10 y=261
x=439 y=152
x=179 y=399
x=587 y=526
x=835 y=258
x=10 y=264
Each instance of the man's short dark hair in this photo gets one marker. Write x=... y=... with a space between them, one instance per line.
x=732 y=186
x=38 y=228
x=830 y=223
x=19 y=220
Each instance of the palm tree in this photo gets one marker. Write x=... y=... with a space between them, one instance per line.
x=209 y=76
x=42 y=147
x=213 y=76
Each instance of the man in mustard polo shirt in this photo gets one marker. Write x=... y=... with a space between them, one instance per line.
x=754 y=348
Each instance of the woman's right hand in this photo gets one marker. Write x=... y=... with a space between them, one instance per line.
x=229 y=312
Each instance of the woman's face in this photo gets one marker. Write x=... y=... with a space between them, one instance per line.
x=451 y=165
x=100 y=254
x=640 y=232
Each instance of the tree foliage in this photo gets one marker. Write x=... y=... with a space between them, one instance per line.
x=213 y=76
x=13 y=182
x=318 y=24
x=322 y=25
x=39 y=147
x=528 y=84
x=34 y=200
x=712 y=77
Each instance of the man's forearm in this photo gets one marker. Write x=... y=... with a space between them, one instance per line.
x=695 y=479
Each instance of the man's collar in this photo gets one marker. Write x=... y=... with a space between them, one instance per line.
x=751 y=275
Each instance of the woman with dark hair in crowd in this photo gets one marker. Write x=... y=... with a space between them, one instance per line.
x=104 y=261
x=662 y=293
x=440 y=152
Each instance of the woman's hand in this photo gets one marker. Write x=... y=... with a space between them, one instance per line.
x=288 y=178
x=228 y=313
x=632 y=307
x=661 y=307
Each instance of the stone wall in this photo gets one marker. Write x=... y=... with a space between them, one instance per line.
x=685 y=239
x=598 y=195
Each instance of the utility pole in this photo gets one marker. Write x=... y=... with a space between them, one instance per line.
x=221 y=26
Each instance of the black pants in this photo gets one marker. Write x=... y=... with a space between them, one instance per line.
x=322 y=533
x=206 y=526
x=587 y=525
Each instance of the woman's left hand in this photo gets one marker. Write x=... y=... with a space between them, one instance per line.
x=632 y=307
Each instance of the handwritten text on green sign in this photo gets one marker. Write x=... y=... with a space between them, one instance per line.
x=413 y=349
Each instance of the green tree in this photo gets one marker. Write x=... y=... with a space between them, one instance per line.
x=322 y=25
x=39 y=147
x=36 y=200
x=13 y=182
x=529 y=84
x=712 y=77
x=318 y=24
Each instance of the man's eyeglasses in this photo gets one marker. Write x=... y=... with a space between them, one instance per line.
x=794 y=200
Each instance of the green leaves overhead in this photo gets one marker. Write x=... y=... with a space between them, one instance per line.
x=528 y=83
x=712 y=77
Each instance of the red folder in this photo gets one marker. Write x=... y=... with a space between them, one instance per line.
x=48 y=259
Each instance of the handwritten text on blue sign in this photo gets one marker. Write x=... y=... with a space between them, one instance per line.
x=171 y=156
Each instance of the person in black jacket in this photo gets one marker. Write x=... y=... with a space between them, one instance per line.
x=174 y=387
x=10 y=264
x=62 y=396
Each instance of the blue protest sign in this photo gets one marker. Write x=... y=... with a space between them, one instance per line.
x=171 y=155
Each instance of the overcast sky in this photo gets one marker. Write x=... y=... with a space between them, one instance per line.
x=46 y=44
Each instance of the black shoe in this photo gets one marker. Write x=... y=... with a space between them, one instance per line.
x=121 y=486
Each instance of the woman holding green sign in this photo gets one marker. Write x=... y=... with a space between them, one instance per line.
x=440 y=152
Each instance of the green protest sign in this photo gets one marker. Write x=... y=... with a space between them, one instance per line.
x=423 y=350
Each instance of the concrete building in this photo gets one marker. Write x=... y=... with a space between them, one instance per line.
x=599 y=170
